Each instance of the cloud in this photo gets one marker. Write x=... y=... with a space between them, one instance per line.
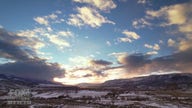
x=88 y=16
x=134 y=60
x=103 y=5
x=58 y=41
x=83 y=64
x=26 y=62
x=186 y=28
x=11 y=44
x=34 y=69
x=65 y=33
x=180 y=61
x=152 y=53
x=108 y=43
x=175 y=14
x=117 y=54
x=185 y=44
x=154 y=47
x=100 y=62
x=171 y=42
x=178 y=15
x=130 y=65
x=42 y=21
x=140 y=23
x=80 y=61
x=129 y=36
x=142 y=1
x=143 y=64
x=47 y=35
x=48 y=19
x=96 y=71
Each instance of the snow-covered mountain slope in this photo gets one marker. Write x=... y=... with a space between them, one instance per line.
x=153 y=82
x=14 y=82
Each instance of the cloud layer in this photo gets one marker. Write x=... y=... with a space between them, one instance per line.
x=103 y=5
x=26 y=63
x=88 y=16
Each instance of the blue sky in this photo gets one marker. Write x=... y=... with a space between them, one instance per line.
x=85 y=36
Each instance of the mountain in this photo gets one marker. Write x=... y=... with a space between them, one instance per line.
x=88 y=85
x=153 y=82
x=14 y=82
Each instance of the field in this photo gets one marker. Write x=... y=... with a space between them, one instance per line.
x=87 y=98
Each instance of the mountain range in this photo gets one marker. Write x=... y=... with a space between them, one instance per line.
x=153 y=82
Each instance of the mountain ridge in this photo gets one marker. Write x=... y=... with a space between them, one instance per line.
x=152 y=82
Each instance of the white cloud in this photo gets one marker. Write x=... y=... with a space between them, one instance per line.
x=42 y=21
x=154 y=47
x=88 y=16
x=125 y=39
x=48 y=19
x=129 y=36
x=171 y=42
x=174 y=15
x=185 y=44
x=152 y=53
x=117 y=54
x=80 y=61
x=52 y=16
x=58 y=12
x=108 y=43
x=148 y=46
x=59 y=42
x=178 y=15
x=103 y=5
x=141 y=23
x=65 y=33
x=56 y=38
x=31 y=42
x=142 y=1
x=187 y=27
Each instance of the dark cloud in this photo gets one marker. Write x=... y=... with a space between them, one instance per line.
x=95 y=71
x=37 y=69
x=97 y=67
x=9 y=50
x=180 y=61
x=26 y=63
x=100 y=62
x=141 y=64
x=135 y=60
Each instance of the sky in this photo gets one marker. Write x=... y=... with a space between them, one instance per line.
x=92 y=41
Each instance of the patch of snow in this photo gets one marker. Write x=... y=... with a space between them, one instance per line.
x=48 y=95
x=88 y=93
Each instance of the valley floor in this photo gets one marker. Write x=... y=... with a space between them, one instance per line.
x=104 y=99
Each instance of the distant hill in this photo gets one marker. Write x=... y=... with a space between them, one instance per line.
x=154 y=82
x=168 y=81
x=88 y=85
x=14 y=82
